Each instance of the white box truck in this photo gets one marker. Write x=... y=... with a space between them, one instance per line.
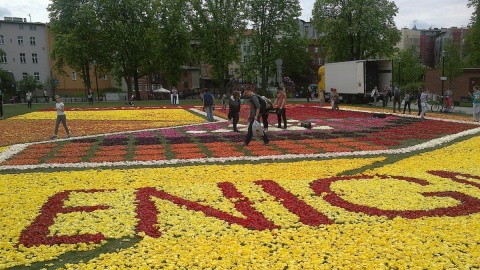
x=354 y=80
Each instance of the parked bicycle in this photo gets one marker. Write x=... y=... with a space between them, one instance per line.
x=437 y=105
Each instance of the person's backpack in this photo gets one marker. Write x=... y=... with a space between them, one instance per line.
x=234 y=105
x=265 y=104
x=396 y=92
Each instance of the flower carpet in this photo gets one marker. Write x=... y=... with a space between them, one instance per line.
x=161 y=188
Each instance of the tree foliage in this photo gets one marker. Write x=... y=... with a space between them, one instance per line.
x=29 y=83
x=218 y=25
x=408 y=67
x=298 y=63
x=131 y=28
x=472 y=39
x=174 y=49
x=356 y=29
x=452 y=60
x=78 y=37
x=270 y=20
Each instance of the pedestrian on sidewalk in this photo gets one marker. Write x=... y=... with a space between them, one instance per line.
x=374 y=95
x=419 y=101
x=424 y=102
x=385 y=93
x=335 y=97
x=396 y=99
x=407 y=100
x=476 y=103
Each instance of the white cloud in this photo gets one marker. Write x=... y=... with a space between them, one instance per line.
x=426 y=13
x=36 y=11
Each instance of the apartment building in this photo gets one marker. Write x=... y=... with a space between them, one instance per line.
x=26 y=49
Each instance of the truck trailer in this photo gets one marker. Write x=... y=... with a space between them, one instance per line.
x=354 y=80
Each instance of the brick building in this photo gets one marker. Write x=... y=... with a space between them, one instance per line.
x=460 y=85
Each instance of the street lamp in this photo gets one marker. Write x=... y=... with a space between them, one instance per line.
x=443 y=78
x=96 y=79
x=399 y=68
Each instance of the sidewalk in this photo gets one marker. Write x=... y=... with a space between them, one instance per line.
x=413 y=107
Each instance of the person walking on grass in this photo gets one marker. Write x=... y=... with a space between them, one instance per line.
x=29 y=99
x=61 y=117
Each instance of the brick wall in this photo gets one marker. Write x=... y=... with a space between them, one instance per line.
x=460 y=85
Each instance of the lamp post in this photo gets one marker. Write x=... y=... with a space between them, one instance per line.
x=399 y=68
x=443 y=78
x=96 y=79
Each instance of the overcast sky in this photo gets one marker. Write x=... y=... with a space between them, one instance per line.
x=425 y=13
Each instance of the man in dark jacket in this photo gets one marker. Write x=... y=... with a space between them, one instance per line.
x=254 y=115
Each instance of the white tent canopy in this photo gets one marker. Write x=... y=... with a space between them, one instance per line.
x=161 y=90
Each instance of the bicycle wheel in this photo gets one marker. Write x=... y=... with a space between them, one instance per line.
x=435 y=107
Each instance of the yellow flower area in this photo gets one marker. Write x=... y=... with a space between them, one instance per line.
x=420 y=212
x=3 y=149
x=30 y=191
x=177 y=116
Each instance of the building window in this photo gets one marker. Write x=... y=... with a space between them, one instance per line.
x=154 y=86
x=146 y=87
x=104 y=76
x=20 y=40
x=316 y=49
x=34 y=58
x=74 y=76
x=22 y=58
x=36 y=75
x=4 y=58
x=32 y=41
x=33 y=27
x=24 y=75
x=20 y=26
x=1 y=39
x=245 y=48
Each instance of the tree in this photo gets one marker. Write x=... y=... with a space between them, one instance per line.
x=29 y=83
x=174 y=40
x=271 y=20
x=409 y=67
x=218 y=27
x=78 y=37
x=472 y=39
x=356 y=29
x=298 y=63
x=453 y=61
x=131 y=28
